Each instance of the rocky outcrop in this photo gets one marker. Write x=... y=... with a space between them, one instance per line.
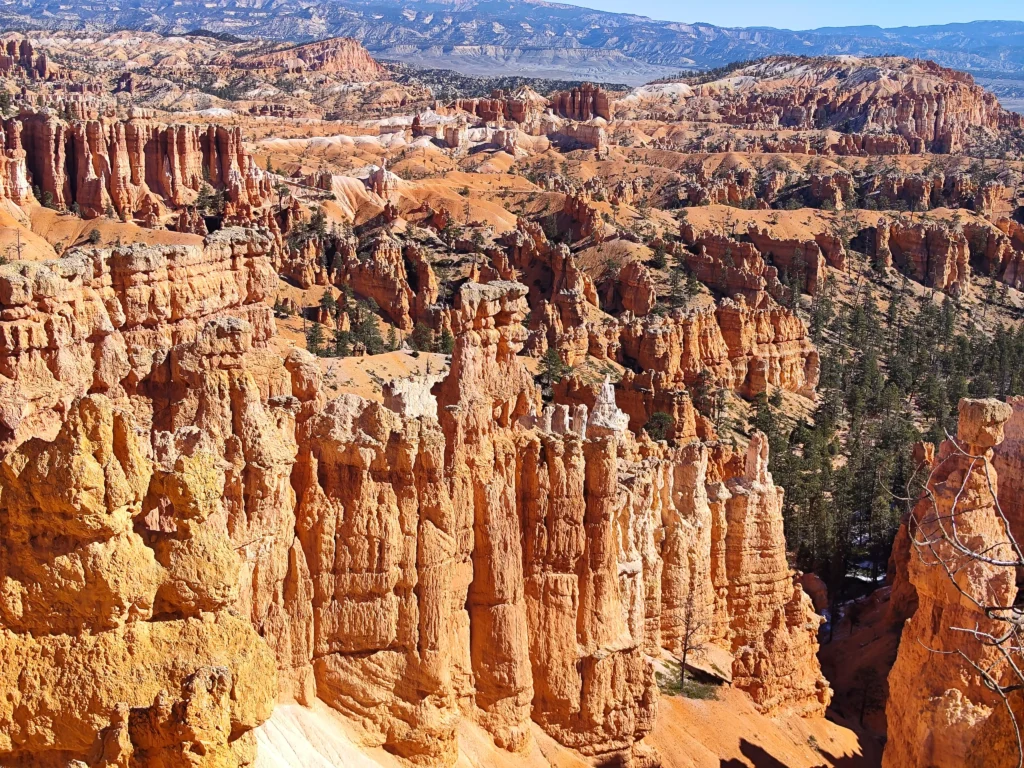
x=129 y=166
x=95 y=320
x=875 y=145
x=585 y=220
x=761 y=261
x=932 y=253
x=582 y=103
x=143 y=422
x=742 y=347
x=337 y=55
x=562 y=296
x=486 y=565
x=14 y=182
x=383 y=183
x=939 y=708
x=640 y=396
x=772 y=622
x=522 y=106
x=631 y=289
x=572 y=135
x=957 y=189
x=1008 y=462
x=832 y=190
x=456 y=136
x=881 y=105
x=451 y=555
x=21 y=54
x=378 y=273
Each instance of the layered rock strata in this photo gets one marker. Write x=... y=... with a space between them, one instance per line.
x=583 y=103
x=132 y=166
x=222 y=525
x=738 y=346
x=884 y=106
x=940 y=710
x=339 y=55
x=145 y=465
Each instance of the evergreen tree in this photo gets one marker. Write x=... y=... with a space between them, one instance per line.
x=552 y=370
x=422 y=338
x=342 y=342
x=366 y=330
x=659 y=425
x=328 y=302
x=315 y=338
x=447 y=343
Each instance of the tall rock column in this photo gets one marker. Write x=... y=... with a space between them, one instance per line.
x=483 y=395
x=1008 y=461
x=939 y=709
x=772 y=622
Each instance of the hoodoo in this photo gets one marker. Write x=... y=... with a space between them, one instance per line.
x=359 y=412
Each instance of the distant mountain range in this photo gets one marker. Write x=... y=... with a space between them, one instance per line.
x=532 y=37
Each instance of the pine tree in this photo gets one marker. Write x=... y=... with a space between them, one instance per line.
x=366 y=330
x=342 y=342
x=315 y=338
x=422 y=338
x=446 y=345
x=659 y=425
x=551 y=369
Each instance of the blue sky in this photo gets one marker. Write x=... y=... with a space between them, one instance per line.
x=808 y=14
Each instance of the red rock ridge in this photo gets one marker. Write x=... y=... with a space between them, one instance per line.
x=132 y=166
x=338 y=55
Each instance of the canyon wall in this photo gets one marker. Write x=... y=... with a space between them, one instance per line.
x=881 y=105
x=123 y=465
x=216 y=525
x=134 y=168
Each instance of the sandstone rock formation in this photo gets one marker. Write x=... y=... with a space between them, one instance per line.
x=740 y=267
x=339 y=55
x=883 y=106
x=128 y=166
x=581 y=135
x=523 y=106
x=22 y=54
x=742 y=347
x=1008 y=462
x=158 y=430
x=932 y=254
x=97 y=319
x=582 y=103
x=456 y=556
x=939 y=706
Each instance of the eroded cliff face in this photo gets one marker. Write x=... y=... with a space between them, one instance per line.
x=339 y=55
x=190 y=530
x=139 y=413
x=742 y=347
x=136 y=167
x=940 y=711
x=1008 y=462
x=882 y=105
x=505 y=565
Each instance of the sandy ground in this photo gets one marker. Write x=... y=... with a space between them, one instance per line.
x=297 y=737
x=730 y=733
x=727 y=733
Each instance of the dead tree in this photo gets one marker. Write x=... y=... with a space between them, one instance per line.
x=959 y=531
x=694 y=631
